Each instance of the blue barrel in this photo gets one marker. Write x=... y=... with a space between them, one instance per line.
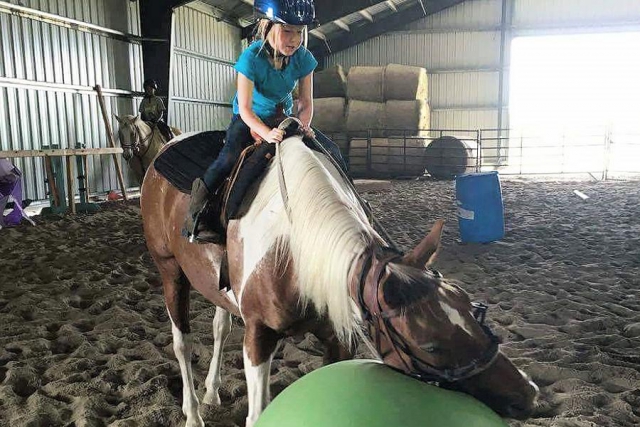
x=480 y=209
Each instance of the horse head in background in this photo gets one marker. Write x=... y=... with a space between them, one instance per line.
x=304 y=258
x=140 y=143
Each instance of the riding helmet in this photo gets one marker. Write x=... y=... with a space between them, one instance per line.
x=150 y=83
x=292 y=12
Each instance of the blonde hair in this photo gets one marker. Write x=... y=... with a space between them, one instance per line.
x=266 y=27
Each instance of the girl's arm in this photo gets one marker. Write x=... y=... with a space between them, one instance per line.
x=305 y=100
x=245 y=102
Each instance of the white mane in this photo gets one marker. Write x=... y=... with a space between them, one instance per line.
x=328 y=230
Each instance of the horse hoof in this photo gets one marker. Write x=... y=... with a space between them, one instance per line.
x=212 y=399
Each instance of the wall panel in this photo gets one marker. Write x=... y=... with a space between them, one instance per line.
x=48 y=68
x=203 y=81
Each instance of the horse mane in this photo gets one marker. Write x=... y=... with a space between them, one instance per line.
x=327 y=232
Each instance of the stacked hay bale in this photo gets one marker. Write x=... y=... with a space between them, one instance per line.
x=330 y=105
x=399 y=156
x=389 y=105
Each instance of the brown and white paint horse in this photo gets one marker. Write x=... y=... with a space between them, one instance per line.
x=315 y=264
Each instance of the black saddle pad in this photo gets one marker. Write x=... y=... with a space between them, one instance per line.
x=189 y=158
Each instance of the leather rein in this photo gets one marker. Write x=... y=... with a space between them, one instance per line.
x=367 y=291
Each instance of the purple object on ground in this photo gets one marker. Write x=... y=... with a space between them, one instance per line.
x=11 y=191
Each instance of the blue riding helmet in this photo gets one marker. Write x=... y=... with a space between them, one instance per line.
x=292 y=12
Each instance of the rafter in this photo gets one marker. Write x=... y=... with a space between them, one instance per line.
x=366 y=15
x=340 y=23
x=392 y=5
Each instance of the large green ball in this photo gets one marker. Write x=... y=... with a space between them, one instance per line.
x=365 y=393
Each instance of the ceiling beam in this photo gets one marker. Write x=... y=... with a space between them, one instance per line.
x=330 y=10
x=383 y=25
x=366 y=15
x=343 y=26
x=392 y=5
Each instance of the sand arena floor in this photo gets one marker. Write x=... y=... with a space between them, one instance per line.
x=85 y=339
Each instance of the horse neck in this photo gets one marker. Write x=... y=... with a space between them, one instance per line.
x=328 y=232
x=143 y=130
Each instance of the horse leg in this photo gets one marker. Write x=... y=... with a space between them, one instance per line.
x=221 y=330
x=260 y=344
x=176 y=295
x=334 y=350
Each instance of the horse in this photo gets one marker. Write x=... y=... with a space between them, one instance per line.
x=303 y=257
x=140 y=143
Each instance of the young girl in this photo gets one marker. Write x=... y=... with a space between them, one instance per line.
x=267 y=74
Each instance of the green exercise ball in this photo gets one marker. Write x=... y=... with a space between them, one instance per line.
x=365 y=393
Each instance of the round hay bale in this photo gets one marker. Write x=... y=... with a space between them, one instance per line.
x=359 y=393
x=407 y=117
x=366 y=84
x=342 y=141
x=366 y=118
x=447 y=157
x=387 y=157
x=403 y=82
x=329 y=114
x=365 y=154
x=407 y=156
x=330 y=83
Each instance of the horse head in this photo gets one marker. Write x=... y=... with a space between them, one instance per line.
x=428 y=328
x=134 y=135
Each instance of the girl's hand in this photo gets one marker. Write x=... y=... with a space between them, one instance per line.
x=275 y=136
x=308 y=132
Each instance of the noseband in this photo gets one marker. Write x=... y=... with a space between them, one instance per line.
x=138 y=141
x=371 y=279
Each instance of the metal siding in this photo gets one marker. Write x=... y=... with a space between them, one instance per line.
x=202 y=78
x=464 y=119
x=457 y=90
x=470 y=14
x=572 y=13
x=48 y=72
x=439 y=51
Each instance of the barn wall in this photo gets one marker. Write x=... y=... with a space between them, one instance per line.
x=202 y=77
x=465 y=49
x=48 y=67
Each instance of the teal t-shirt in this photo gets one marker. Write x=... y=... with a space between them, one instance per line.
x=271 y=86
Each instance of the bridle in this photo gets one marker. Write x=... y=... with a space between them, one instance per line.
x=138 y=141
x=367 y=290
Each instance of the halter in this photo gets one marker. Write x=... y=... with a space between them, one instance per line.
x=368 y=288
x=138 y=141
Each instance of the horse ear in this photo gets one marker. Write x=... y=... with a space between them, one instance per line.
x=117 y=118
x=425 y=252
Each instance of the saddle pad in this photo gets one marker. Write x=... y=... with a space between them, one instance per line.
x=189 y=158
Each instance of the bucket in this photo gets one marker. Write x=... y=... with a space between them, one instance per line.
x=480 y=209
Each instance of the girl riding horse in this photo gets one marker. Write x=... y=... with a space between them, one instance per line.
x=268 y=71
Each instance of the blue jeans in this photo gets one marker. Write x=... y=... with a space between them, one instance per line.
x=238 y=138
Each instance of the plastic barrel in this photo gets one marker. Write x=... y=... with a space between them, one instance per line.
x=480 y=209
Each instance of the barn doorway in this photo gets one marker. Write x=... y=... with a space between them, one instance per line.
x=575 y=102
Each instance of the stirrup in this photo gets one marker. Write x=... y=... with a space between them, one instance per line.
x=207 y=235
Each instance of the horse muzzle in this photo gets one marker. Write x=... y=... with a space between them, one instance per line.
x=127 y=153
